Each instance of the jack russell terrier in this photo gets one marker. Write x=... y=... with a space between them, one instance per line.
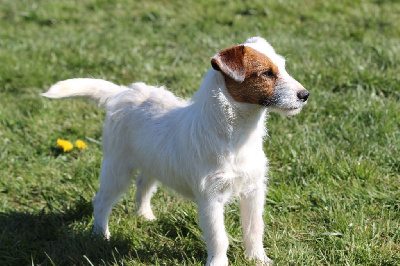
x=208 y=148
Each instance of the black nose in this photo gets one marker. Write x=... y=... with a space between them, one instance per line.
x=303 y=95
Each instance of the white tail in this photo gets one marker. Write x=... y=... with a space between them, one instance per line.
x=96 y=89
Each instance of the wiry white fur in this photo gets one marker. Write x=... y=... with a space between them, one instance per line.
x=208 y=148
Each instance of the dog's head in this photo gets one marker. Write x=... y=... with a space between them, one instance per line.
x=255 y=74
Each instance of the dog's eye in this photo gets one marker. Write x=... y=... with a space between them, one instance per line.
x=268 y=74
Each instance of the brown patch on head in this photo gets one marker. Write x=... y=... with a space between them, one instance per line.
x=250 y=76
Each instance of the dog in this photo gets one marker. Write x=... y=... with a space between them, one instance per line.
x=208 y=148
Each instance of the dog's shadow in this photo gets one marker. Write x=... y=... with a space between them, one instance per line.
x=55 y=237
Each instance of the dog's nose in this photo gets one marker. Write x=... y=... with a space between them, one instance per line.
x=303 y=95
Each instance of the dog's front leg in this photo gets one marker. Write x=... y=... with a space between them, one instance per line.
x=211 y=218
x=251 y=210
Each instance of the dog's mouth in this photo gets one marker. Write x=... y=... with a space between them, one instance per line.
x=286 y=111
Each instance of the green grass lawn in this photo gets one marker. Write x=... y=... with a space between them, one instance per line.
x=334 y=189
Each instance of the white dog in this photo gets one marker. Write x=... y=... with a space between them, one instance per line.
x=209 y=148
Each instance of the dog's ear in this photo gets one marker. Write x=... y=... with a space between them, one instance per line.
x=230 y=62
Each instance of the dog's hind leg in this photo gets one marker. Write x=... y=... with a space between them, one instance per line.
x=146 y=186
x=115 y=180
x=251 y=210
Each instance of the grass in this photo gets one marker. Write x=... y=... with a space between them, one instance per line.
x=334 y=189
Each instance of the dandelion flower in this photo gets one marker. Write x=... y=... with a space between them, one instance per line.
x=65 y=144
x=80 y=144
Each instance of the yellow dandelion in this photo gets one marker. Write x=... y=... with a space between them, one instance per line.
x=80 y=144
x=65 y=144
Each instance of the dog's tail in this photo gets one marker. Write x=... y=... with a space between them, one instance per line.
x=96 y=89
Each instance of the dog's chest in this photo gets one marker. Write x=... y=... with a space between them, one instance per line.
x=244 y=167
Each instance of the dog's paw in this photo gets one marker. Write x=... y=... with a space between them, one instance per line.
x=267 y=262
x=217 y=261
x=260 y=257
x=147 y=215
x=97 y=230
